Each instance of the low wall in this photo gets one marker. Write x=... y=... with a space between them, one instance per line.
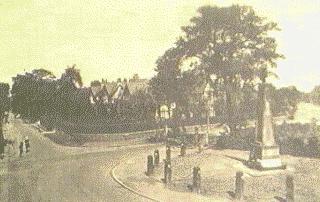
x=63 y=138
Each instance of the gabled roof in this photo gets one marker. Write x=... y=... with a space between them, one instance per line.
x=111 y=87
x=118 y=93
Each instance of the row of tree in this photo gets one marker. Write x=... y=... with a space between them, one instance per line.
x=38 y=95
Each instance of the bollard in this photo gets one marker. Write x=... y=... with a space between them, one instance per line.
x=156 y=157
x=150 y=165
x=168 y=154
x=290 y=189
x=196 y=184
x=167 y=172
x=239 y=186
x=20 y=149
x=183 y=150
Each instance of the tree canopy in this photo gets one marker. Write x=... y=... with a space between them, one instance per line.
x=232 y=43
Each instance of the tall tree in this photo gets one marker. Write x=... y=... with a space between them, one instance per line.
x=72 y=74
x=33 y=94
x=233 y=44
x=165 y=83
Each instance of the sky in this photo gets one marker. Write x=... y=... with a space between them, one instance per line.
x=116 y=38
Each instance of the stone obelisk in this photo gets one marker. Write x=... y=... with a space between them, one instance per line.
x=264 y=152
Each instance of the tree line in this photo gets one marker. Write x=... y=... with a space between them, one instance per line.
x=39 y=96
x=231 y=51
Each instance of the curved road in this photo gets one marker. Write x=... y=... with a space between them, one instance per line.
x=55 y=173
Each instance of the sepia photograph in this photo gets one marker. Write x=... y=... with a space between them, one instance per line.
x=159 y=100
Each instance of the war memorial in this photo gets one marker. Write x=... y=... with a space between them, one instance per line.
x=153 y=100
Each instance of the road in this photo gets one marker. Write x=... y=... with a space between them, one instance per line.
x=55 y=173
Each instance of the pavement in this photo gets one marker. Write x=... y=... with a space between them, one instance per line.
x=218 y=170
x=131 y=174
x=51 y=172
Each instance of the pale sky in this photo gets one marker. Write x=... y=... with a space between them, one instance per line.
x=114 y=38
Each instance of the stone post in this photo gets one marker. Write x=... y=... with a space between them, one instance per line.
x=196 y=184
x=150 y=165
x=156 y=157
x=290 y=189
x=183 y=150
x=239 y=186
x=168 y=154
x=167 y=172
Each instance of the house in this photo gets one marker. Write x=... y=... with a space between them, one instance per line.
x=203 y=98
x=137 y=84
x=122 y=90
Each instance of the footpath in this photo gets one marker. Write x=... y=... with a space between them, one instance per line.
x=131 y=175
x=218 y=171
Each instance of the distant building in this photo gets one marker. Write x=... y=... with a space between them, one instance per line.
x=118 y=93
x=203 y=96
x=122 y=89
x=137 y=84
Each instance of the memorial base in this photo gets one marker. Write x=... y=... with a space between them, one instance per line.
x=265 y=158
x=272 y=164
